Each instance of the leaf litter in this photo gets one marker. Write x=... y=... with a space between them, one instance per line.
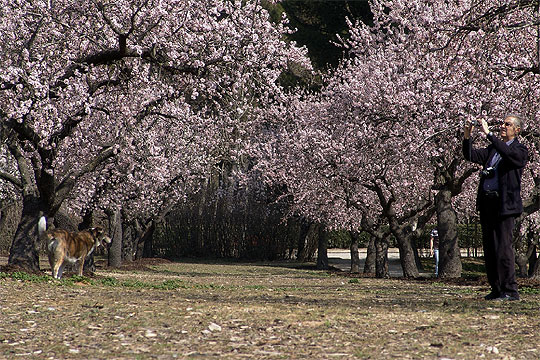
x=227 y=310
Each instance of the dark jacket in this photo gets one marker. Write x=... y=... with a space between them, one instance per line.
x=510 y=169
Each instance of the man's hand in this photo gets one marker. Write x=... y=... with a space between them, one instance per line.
x=467 y=129
x=485 y=127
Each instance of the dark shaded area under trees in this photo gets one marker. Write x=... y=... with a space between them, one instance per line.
x=225 y=222
x=318 y=22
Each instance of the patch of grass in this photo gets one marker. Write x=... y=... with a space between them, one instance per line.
x=529 y=290
x=473 y=266
x=210 y=286
x=132 y=283
x=138 y=284
x=109 y=281
x=22 y=276
x=170 y=285
x=76 y=280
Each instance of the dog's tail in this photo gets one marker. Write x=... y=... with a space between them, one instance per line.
x=42 y=225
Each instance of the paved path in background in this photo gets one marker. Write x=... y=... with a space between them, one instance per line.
x=341 y=259
x=338 y=258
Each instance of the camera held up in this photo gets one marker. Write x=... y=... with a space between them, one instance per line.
x=476 y=122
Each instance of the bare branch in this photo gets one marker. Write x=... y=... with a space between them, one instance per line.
x=11 y=179
x=71 y=178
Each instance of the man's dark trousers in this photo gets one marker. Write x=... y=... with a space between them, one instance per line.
x=498 y=251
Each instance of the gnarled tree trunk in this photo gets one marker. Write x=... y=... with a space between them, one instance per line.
x=371 y=255
x=24 y=252
x=322 y=250
x=115 y=233
x=381 y=259
x=406 y=257
x=449 y=252
x=310 y=241
x=355 y=258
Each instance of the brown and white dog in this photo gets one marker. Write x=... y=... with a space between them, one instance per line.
x=64 y=246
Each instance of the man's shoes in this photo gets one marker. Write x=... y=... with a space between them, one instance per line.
x=492 y=296
x=507 y=297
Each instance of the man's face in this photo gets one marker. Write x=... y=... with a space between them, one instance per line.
x=508 y=129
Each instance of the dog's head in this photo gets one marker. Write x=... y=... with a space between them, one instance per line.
x=100 y=238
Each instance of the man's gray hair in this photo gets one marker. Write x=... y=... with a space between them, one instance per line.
x=518 y=120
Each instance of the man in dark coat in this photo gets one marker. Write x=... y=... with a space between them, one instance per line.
x=499 y=200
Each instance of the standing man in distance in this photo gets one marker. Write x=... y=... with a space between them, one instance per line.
x=499 y=200
x=434 y=249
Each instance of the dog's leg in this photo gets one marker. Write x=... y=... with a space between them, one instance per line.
x=81 y=265
x=57 y=269
x=51 y=262
x=60 y=270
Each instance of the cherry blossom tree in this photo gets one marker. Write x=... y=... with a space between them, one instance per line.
x=134 y=101
x=445 y=80
x=323 y=157
x=390 y=117
x=499 y=27
x=482 y=35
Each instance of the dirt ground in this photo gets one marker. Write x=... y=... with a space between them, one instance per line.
x=158 y=309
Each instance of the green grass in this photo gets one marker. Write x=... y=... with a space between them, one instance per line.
x=22 y=276
x=472 y=267
x=529 y=290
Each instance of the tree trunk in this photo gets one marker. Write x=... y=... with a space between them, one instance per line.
x=533 y=261
x=414 y=242
x=24 y=252
x=522 y=262
x=115 y=232
x=128 y=242
x=449 y=253
x=87 y=223
x=63 y=221
x=399 y=230
x=371 y=255
x=532 y=205
x=355 y=258
x=522 y=270
x=381 y=261
x=322 y=253
x=521 y=248
x=303 y=232
x=202 y=222
x=146 y=240
x=310 y=243
x=138 y=243
x=406 y=257
x=406 y=252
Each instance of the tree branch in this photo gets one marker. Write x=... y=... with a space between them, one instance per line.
x=23 y=131
x=11 y=179
x=26 y=177
x=421 y=207
x=70 y=180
